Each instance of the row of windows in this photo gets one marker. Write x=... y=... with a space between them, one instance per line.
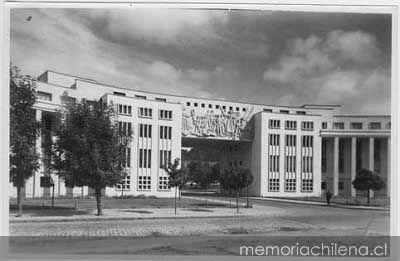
x=165 y=115
x=307 y=141
x=290 y=185
x=124 y=109
x=144 y=182
x=165 y=132
x=165 y=158
x=236 y=163
x=126 y=161
x=217 y=106
x=144 y=158
x=291 y=125
x=145 y=112
x=291 y=140
x=307 y=163
x=145 y=130
x=290 y=162
x=356 y=125
x=125 y=184
x=125 y=128
x=163 y=183
x=274 y=139
x=274 y=163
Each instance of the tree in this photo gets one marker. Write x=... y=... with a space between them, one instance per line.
x=24 y=129
x=236 y=179
x=177 y=177
x=201 y=174
x=367 y=180
x=90 y=148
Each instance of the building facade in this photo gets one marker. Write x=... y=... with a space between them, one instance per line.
x=291 y=151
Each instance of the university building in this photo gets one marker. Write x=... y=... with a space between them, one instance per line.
x=291 y=151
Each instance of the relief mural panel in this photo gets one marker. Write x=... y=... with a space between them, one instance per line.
x=227 y=125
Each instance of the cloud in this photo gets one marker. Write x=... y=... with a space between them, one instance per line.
x=341 y=68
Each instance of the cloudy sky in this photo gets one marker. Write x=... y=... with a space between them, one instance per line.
x=281 y=58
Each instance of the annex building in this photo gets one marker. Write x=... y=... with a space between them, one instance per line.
x=291 y=151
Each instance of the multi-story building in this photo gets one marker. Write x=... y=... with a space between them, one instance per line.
x=291 y=151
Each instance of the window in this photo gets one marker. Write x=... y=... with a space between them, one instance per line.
x=273 y=185
x=301 y=112
x=145 y=130
x=67 y=100
x=145 y=158
x=195 y=104
x=284 y=111
x=203 y=105
x=126 y=161
x=274 y=163
x=341 y=155
x=290 y=125
x=125 y=128
x=324 y=125
x=267 y=110
x=217 y=106
x=119 y=93
x=244 y=109
x=125 y=184
x=210 y=106
x=324 y=157
x=161 y=99
x=290 y=185
x=338 y=125
x=237 y=109
x=375 y=125
x=45 y=96
x=323 y=185
x=307 y=164
x=341 y=185
x=124 y=109
x=307 y=185
x=291 y=140
x=144 y=182
x=307 y=141
x=307 y=125
x=274 y=139
x=188 y=104
x=388 y=125
x=141 y=97
x=274 y=124
x=223 y=107
x=165 y=158
x=165 y=132
x=356 y=125
x=163 y=183
x=145 y=112
x=290 y=163
x=165 y=115
x=230 y=108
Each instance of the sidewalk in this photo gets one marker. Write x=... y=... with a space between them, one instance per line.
x=317 y=203
x=153 y=213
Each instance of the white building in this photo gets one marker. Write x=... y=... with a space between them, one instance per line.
x=291 y=151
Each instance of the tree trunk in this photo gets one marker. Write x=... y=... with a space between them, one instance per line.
x=98 y=201
x=368 y=196
x=179 y=194
x=176 y=189
x=237 y=201
x=19 y=201
x=247 y=196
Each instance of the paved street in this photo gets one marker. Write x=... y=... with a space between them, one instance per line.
x=284 y=219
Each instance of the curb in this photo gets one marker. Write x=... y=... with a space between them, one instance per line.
x=317 y=203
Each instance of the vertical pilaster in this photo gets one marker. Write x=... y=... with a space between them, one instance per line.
x=336 y=166
x=36 y=176
x=388 y=171
x=353 y=164
x=371 y=162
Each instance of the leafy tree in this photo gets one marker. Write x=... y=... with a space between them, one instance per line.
x=236 y=179
x=24 y=129
x=367 y=180
x=202 y=174
x=177 y=177
x=90 y=148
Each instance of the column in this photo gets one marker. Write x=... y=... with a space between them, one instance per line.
x=336 y=166
x=371 y=159
x=353 y=164
x=36 y=176
x=388 y=168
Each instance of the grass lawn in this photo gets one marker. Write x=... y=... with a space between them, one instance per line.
x=82 y=206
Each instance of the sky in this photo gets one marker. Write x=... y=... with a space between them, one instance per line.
x=266 y=57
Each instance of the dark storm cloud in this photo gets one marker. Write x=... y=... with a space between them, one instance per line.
x=260 y=56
